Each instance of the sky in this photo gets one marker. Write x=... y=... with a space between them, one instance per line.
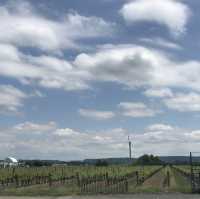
x=78 y=77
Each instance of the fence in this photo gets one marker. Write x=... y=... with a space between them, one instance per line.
x=86 y=185
x=105 y=184
x=195 y=171
x=18 y=182
x=109 y=185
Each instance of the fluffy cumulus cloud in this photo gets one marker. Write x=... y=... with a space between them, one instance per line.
x=129 y=65
x=159 y=127
x=194 y=135
x=96 y=114
x=32 y=140
x=136 y=66
x=11 y=99
x=34 y=127
x=166 y=139
x=158 y=92
x=160 y=42
x=170 y=13
x=67 y=132
x=136 y=109
x=46 y=71
x=24 y=26
x=184 y=102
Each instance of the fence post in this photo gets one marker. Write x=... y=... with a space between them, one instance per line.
x=199 y=180
x=107 y=180
x=16 y=180
x=126 y=186
x=137 y=177
x=78 y=179
x=168 y=179
x=192 y=173
x=50 y=179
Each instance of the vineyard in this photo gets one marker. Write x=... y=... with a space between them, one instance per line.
x=76 y=179
x=57 y=172
x=68 y=180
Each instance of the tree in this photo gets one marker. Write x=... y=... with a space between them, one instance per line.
x=101 y=163
x=148 y=160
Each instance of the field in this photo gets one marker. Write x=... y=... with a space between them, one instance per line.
x=74 y=180
x=84 y=171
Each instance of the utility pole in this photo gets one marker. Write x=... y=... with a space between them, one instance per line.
x=130 y=150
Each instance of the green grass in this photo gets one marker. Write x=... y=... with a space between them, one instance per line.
x=154 y=184
x=41 y=190
x=147 y=190
x=157 y=183
x=182 y=183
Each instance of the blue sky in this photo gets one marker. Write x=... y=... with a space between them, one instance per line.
x=78 y=77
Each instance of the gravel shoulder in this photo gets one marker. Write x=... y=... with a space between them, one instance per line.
x=127 y=196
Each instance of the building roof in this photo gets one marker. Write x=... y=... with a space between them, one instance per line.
x=11 y=159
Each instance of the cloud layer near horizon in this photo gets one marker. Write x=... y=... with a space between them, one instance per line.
x=49 y=141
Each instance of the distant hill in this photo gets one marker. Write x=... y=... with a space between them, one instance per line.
x=178 y=159
x=122 y=160
x=109 y=161
x=166 y=159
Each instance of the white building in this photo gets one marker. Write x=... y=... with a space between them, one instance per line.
x=10 y=162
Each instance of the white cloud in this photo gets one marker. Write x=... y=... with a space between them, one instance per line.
x=158 y=92
x=137 y=66
x=134 y=109
x=37 y=93
x=34 y=127
x=32 y=140
x=173 y=14
x=194 y=135
x=9 y=52
x=167 y=140
x=96 y=114
x=66 y=132
x=159 y=127
x=160 y=42
x=22 y=25
x=126 y=64
x=46 y=71
x=68 y=144
x=184 y=102
x=11 y=98
x=161 y=136
x=129 y=65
